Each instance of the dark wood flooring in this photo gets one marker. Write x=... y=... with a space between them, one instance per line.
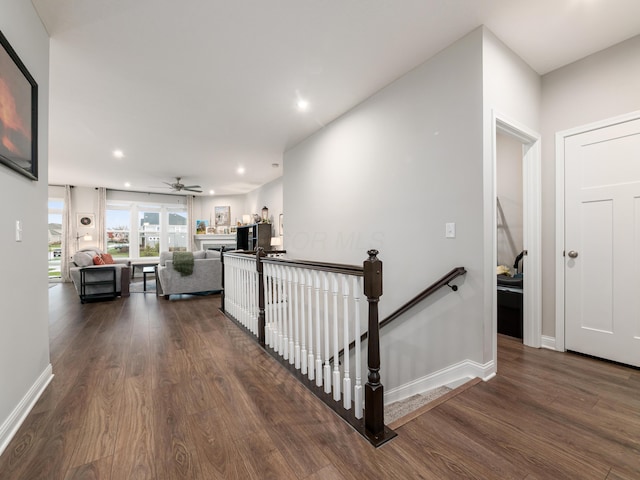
x=146 y=388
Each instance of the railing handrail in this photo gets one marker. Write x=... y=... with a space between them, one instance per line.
x=430 y=290
x=308 y=264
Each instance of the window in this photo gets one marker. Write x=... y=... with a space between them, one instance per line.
x=138 y=229
x=118 y=226
x=56 y=206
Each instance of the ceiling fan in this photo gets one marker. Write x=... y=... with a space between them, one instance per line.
x=177 y=186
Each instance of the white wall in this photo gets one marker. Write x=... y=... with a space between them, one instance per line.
x=600 y=86
x=511 y=90
x=509 y=192
x=204 y=207
x=24 y=334
x=388 y=175
x=269 y=195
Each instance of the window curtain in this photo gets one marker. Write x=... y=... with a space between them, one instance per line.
x=67 y=236
x=191 y=228
x=101 y=227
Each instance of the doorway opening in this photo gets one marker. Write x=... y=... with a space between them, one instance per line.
x=527 y=143
x=509 y=235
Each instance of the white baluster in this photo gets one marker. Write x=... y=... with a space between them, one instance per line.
x=327 y=337
x=357 y=390
x=318 y=322
x=303 y=337
x=281 y=317
x=290 y=302
x=310 y=320
x=286 y=312
x=267 y=304
x=336 y=346
x=296 y=319
x=346 y=387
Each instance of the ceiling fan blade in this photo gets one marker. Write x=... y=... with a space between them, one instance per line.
x=192 y=190
x=191 y=186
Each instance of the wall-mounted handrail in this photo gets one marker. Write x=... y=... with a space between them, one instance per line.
x=430 y=290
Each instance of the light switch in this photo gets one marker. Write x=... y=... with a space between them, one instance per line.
x=18 y=231
x=450 y=230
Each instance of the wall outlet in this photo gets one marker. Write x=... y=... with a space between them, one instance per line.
x=450 y=230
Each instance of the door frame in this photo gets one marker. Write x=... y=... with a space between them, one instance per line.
x=532 y=228
x=560 y=210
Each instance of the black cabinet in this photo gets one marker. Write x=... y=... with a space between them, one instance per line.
x=250 y=237
x=97 y=283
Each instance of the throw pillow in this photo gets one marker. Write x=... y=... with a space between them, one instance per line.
x=82 y=259
x=107 y=259
x=97 y=260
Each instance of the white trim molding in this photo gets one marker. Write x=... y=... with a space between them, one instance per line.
x=452 y=375
x=13 y=422
x=548 y=342
x=560 y=181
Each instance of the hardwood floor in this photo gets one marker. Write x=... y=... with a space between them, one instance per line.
x=150 y=389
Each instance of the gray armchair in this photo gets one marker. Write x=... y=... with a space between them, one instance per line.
x=206 y=276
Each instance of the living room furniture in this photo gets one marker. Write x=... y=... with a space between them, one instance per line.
x=146 y=271
x=97 y=284
x=83 y=260
x=206 y=275
x=141 y=265
x=250 y=237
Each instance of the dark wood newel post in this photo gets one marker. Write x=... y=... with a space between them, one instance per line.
x=261 y=318
x=373 y=391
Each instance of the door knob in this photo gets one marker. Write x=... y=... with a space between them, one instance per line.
x=572 y=254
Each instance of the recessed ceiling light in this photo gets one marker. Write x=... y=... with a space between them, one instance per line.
x=127 y=184
x=240 y=170
x=302 y=104
x=118 y=153
x=211 y=192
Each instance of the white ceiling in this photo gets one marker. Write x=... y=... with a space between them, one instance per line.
x=197 y=88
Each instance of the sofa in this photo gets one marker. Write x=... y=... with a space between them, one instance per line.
x=85 y=260
x=206 y=275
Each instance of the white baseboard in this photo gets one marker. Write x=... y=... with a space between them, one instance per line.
x=452 y=377
x=548 y=342
x=11 y=425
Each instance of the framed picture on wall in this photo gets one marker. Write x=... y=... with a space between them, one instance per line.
x=86 y=220
x=19 y=113
x=223 y=216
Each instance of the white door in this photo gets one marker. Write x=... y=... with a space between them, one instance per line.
x=602 y=242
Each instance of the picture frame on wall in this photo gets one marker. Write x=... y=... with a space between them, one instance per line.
x=86 y=220
x=223 y=216
x=19 y=114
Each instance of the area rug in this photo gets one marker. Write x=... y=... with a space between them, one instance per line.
x=137 y=285
x=397 y=410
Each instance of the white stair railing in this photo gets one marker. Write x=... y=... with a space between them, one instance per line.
x=306 y=314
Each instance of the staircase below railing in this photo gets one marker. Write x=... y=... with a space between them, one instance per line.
x=291 y=307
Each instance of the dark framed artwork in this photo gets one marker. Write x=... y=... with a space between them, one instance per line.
x=18 y=115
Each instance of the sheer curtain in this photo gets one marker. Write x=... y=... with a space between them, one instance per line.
x=191 y=228
x=101 y=228
x=67 y=236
